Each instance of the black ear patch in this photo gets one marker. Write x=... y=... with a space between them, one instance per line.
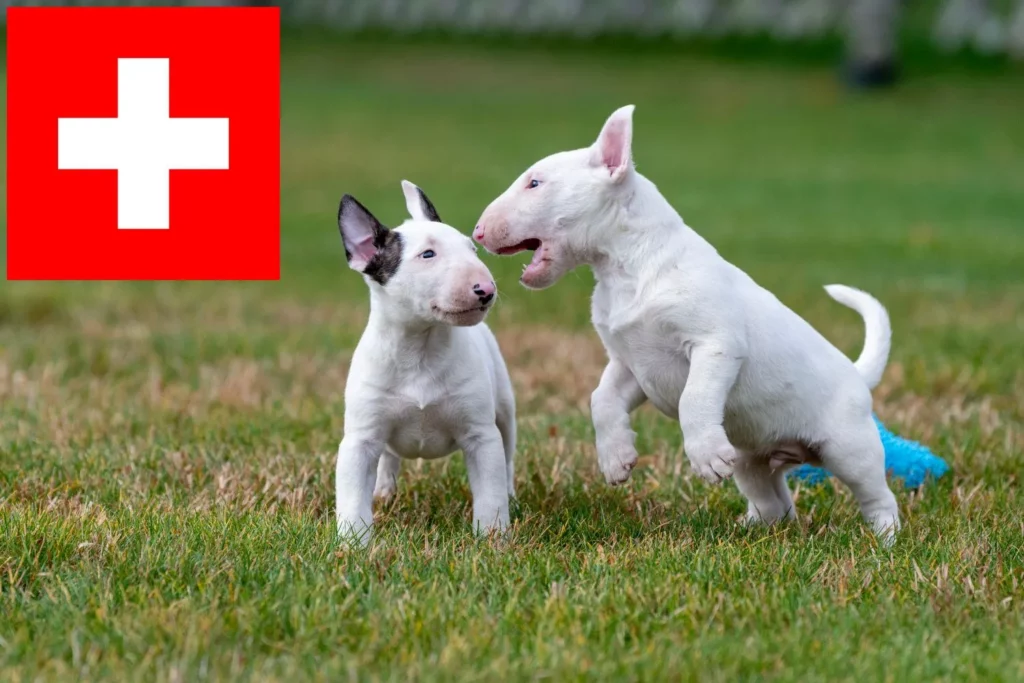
x=385 y=262
x=428 y=207
x=387 y=243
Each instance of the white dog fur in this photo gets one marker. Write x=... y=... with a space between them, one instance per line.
x=427 y=377
x=755 y=388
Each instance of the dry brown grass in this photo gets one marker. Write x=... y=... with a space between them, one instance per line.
x=554 y=371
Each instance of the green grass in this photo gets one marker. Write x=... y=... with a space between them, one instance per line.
x=166 y=450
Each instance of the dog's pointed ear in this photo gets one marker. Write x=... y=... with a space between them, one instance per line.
x=420 y=207
x=361 y=233
x=613 y=149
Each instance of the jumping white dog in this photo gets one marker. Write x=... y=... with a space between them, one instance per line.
x=427 y=377
x=755 y=388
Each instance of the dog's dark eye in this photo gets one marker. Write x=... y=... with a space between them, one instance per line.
x=429 y=253
x=533 y=183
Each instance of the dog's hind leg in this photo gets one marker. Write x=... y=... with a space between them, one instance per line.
x=506 y=421
x=768 y=497
x=857 y=459
x=507 y=427
x=387 y=475
x=782 y=491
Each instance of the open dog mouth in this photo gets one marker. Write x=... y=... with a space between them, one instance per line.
x=533 y=272
x=532 y=244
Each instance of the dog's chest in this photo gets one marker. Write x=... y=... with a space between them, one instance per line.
x=657 y=355
x=424 y=423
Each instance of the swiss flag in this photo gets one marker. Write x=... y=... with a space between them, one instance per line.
x=143 y=143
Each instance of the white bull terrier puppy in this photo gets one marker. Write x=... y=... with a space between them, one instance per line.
x=755 y=388
x=427 y=377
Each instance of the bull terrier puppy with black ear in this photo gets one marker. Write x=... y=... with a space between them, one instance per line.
x=427 y=377
x=755 y=388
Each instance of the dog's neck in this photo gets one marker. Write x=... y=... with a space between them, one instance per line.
x=403 y=338
x=640 y=233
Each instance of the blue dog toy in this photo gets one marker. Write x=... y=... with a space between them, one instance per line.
x=904 y=459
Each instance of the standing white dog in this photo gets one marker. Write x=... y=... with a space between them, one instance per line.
x=427 y=377
x=755 y=388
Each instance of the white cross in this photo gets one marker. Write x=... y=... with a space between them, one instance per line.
x=143 y=144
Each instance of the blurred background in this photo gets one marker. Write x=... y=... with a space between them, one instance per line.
x=873 y=142
x=872 y=29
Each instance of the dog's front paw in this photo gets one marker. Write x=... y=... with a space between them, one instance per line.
x=712 y=458
x=354 y=533
x=616 y=459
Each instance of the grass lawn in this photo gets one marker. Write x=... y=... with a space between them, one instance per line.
x=167 y=450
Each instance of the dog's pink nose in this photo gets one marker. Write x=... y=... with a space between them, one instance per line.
x=478 y=233
x=485 y=292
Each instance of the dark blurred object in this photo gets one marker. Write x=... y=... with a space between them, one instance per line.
x=869 y=75
x=871 y=43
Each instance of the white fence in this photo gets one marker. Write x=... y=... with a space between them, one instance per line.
x=870 y=26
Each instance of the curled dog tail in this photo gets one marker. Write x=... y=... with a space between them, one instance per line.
x=877 y=331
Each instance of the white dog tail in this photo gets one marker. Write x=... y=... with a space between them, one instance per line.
x=877 y=331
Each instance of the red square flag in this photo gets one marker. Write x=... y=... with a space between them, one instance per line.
x=143 y=143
